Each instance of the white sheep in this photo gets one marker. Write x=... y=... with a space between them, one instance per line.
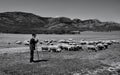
x=115 y=41
x=109 y=42
x=51 y=48
x=18 y=42
x=101 y=46
x=44 y=47
x=26 y=42
x=83 y=42
x=91 y=47
x=64 y=46
x=54 y=48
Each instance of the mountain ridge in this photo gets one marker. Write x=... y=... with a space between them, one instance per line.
x=26 y=23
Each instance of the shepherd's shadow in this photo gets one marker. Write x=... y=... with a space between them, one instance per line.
x=42 y=60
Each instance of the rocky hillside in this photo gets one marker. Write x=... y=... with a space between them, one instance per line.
x=21 y=22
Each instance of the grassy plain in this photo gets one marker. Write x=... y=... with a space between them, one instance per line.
x=12 y=38
x=63 y=63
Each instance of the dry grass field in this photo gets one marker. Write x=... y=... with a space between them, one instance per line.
x=12 y=38
x=65 y=62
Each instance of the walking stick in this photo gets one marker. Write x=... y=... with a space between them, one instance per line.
x=37 y=52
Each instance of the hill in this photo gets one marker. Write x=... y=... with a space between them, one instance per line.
x=22 y=22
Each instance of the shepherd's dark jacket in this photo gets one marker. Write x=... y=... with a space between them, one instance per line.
x=33 y=44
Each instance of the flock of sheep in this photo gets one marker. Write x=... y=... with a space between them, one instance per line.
x=72 y=45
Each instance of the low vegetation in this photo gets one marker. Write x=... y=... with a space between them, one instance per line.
x=63 y=63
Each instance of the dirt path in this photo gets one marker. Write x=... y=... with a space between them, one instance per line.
x=15 y=50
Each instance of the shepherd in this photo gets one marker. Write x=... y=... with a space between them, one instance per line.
x=33 y=43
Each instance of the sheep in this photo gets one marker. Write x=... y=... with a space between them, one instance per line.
x=51 y=48
x=26 y=42
x=70 y=39
x=72 y=43
x=75 y=47
x=70 y=47
x=91 y=47
x=61 y=41
x=109 y=42
x=101 y=46
x=79 y=47
x=44 y=48
x=53 y=40
x=105 y=45
x=65 y=41
x=18 y=42
x=41 y=42
x=115 y=41
x=64 y=46
x=91 y=43
x=54 y=48
x=96 y=42
x=46 y=41
x=83 y=42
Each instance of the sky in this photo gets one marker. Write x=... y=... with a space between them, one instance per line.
x=104 y=10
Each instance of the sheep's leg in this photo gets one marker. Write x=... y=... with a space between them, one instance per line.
x=96 y=49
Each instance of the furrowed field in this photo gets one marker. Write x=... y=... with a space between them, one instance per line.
x=62 y=63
